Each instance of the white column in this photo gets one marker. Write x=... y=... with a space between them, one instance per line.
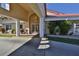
x=41 y=27
x=74 y=28
x=17 y=27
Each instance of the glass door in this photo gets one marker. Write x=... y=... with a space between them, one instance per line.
x=35 y=28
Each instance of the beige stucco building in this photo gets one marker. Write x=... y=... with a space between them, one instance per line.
x=31 y=17
x=23 y=15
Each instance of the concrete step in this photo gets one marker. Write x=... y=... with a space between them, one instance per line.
x=44 y=38
x=44 y=46
x=44 y=42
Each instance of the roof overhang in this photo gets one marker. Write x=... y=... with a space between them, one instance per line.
x=52 y=18
x=57 y=16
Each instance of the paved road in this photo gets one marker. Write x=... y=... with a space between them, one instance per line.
x=56 y=49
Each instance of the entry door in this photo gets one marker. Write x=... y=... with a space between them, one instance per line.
x=35 y=28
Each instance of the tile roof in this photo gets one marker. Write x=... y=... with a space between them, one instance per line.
x=55 y=13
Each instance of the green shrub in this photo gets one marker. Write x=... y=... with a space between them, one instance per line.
x=63 y=25
x=51 y=27
x=13 y=31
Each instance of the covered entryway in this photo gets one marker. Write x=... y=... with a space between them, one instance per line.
x=34 y=24
x=32 y=14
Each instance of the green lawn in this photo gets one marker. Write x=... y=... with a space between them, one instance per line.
x=65 y=40
x=13 y=35
x=6 y=35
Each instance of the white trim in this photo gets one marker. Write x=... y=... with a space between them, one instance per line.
x=61 y=18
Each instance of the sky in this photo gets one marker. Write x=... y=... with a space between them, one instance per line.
x=67 y=8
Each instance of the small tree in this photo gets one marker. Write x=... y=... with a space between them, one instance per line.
x=64 y=26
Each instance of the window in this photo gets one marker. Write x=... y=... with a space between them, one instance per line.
x=21 y=26
x=5 y=6
x=8 y=27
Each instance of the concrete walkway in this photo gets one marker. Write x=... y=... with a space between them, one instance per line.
x=10 y=44
x=56 y=49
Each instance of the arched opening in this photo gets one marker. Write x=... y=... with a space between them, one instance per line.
x=34 y=23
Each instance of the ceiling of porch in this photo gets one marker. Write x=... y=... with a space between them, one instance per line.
x=20 y=11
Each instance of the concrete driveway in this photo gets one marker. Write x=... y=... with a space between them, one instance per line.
x=56 y=49
x=62 y=49
x=10 y=44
